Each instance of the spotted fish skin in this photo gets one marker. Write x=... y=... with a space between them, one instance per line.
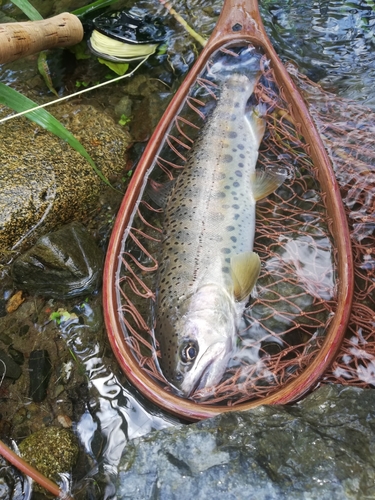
x=209 y=222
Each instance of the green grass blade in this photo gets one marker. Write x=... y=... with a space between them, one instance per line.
x=99 y=4
x=28 y=9
x=18 y=102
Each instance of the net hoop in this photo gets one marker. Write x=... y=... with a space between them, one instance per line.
x=240 y=23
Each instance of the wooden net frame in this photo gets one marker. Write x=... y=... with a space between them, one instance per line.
x=285 y=324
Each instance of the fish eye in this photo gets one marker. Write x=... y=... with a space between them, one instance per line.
x=189 y=352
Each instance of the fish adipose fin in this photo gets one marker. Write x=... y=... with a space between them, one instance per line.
x=265 y=183
x=245 y=269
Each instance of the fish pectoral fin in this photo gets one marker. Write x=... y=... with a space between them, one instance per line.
x=265 y=183
x=254 y=116
x=245 y=268
x=158 y=192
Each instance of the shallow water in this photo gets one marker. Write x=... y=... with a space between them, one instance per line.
x=332 y=42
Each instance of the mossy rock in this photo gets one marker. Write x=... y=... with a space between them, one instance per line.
x=51 y=451
x=45 y=183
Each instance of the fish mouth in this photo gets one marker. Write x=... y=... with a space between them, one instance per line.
x=201 y=382
x=208 y=372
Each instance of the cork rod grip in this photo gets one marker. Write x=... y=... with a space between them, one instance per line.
x=22 y=39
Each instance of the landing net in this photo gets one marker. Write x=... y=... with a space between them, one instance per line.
x=348 y=132
x=287 y=317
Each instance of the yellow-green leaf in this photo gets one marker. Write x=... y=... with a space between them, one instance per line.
x=119 y=68
x=45 y=72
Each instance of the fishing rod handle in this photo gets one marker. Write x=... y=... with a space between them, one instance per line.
x=22 y=39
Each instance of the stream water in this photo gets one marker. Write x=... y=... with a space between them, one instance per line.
x=332 y=42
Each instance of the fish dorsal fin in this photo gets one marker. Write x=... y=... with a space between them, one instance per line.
x=245 y=268
x=158 y=192
x=265 y=183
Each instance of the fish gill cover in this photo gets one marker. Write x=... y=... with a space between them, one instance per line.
x=284 y=320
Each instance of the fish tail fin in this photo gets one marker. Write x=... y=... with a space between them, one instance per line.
x=248 y=63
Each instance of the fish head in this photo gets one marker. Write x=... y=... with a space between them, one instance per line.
x=206 y=339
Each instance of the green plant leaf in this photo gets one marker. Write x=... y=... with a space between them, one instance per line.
x=119 y=68
x=28 y=9
x=124 y=120
x=44 y=70
x=162 y=49
x=18 y=102
x=80 y=50
x=99 y=4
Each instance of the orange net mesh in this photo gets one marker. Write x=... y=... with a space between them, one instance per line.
x=287 y=317
x=347 y=130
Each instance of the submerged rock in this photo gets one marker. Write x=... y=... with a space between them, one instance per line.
x=321 y=448
x=40 y=369
x=8 y=367
x=62 y=264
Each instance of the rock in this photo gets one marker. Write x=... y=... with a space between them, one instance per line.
x=51 y=450
x=124 y=107
x=40 y=369
x=62 y=264
x=16 y=355
x=9 y=367
x=148 y=101
x=3 y=310
x=45 y=183
x=322 y=448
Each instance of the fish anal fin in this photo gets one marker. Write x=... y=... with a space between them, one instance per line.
x=158 y=192
x=265 y=183
x=245 y=269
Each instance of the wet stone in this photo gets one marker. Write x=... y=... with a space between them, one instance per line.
x=3 y=310
x=16 y=355
x=63 y=264
x=322 y=448
x=9 y=367
x=5 y=339
x=40 y=369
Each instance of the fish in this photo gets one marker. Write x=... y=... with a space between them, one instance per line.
x=207 y=267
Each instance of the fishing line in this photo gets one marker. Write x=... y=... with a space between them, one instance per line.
x=56 y=101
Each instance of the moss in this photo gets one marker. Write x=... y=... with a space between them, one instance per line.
x=51 y=451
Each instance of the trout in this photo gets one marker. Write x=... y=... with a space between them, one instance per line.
x=207 y=265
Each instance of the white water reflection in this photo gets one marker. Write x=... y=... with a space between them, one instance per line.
x=113 y=415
